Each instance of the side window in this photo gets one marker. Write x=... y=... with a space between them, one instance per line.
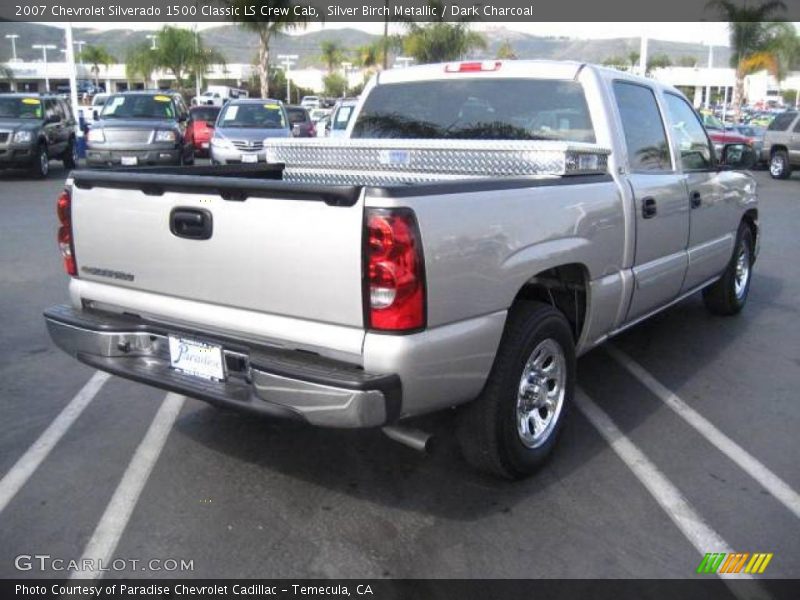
x=50 y=109
x=644 y=130
x=782 y=122
x=797 y=126
x=689 y=134
x=66 y=110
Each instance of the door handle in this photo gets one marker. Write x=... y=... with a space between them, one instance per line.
x=191 y=223
x=696 y=199
x=649 y=209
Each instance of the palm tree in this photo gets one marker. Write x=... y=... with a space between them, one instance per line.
x=506 y=51
x=96 y=56
x=440 y=40
x=633 y=59
x=333 y=53
x=265 y=28
x=140 y=62
x=753 y=37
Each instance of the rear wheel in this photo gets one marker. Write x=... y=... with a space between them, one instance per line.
x=512 y=427
x=41 y=162
x=779 y=166
x=728 y=295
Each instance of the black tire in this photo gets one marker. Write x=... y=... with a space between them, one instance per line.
x=70 y=158
x=488 y=427
x=728 y=295
x=191 y=158
x=40 y=166
x=779 y=167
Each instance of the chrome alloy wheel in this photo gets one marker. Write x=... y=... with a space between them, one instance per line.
x=742 y=274
x=776 y=165
x=44 y=162
x=540 y=397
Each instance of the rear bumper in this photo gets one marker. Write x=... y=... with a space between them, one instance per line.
x=270 y=381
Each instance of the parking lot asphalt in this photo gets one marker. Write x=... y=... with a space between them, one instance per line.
x=248 y=497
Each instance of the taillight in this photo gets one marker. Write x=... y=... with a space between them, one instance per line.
x=65 y=241
x=394 y=271
x=473 y=67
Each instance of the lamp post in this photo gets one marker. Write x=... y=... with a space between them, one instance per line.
x=710 y=66
x=288 y=61
x=80 y=44
x=13 y=37
x=44 y=48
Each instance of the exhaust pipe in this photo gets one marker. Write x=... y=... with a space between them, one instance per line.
x=416 y=439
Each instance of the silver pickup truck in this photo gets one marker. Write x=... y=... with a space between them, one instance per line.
x=483 y=224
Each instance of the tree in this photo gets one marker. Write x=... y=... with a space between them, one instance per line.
x=633 y=59
x=282 y=19
x=506 y=51
x=687 y=61
x=140 y=62
x=753 y=39
x=440 y=40
x=658 y=61
x=96 y=56
x=617 y=62
x=335 y=85
x=333 y=53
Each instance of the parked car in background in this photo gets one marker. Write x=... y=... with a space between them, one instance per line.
x=242 y=126
x=141 y=128
x=300 y=121
x=34 y=130
x=720 y=136
x=310 y=102
x=324 y=125
x=201 y=128
x=340 y=117
x=782 y=144
x=217 y=95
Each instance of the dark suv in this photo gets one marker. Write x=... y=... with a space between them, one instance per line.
x=141 y=128
x=35 y=129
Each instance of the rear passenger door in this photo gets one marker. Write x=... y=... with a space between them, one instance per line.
x=660 y=202
x=714 y=214
x=794 y=143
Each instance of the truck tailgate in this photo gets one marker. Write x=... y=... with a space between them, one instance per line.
x=279 y=253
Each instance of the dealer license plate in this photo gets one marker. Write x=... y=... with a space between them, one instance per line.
x=249 y=158
x=129 y=161
x=196 y=358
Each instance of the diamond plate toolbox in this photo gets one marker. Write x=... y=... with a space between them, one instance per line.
x=408 y=161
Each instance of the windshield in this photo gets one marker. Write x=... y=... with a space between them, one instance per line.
x=253 y=116
x=712 y=122
x=483 y=109
x=297 y=115
x=205 y=113
x=138 y=107
x=20 y=108
x=342 y=117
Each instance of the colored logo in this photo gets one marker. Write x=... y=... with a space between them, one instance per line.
x=734 y=562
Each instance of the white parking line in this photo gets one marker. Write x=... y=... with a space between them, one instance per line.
x=671 y=500
x=27 y=464
x=112 y=524
x=752 y=466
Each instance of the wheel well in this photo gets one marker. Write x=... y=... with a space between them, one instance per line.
x=776 y=148
x=751 y=218
x=565 y=288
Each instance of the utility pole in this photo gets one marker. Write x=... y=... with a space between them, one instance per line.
x=710 y=66
x=288 y=61
x=13 y=37
x=346 y=66
x=44 y=48
x=643 y=56
x=73 y=79
x=197 y=75
x=80 y=44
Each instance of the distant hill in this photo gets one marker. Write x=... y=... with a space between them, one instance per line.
x=240 y=46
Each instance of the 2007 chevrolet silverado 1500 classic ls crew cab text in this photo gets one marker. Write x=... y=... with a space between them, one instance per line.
x=482 y=224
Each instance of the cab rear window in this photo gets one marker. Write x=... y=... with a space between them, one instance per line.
x=489 y=109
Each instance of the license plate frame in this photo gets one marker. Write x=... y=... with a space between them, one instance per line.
x=196 y=358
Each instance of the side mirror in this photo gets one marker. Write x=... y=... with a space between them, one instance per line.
x=738 y=156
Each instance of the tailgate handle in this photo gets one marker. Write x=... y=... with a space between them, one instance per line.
x=191 y=223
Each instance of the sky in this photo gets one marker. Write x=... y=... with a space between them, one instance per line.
x=704 y=32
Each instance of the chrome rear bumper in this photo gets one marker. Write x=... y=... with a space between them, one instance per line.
x=271 y=381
